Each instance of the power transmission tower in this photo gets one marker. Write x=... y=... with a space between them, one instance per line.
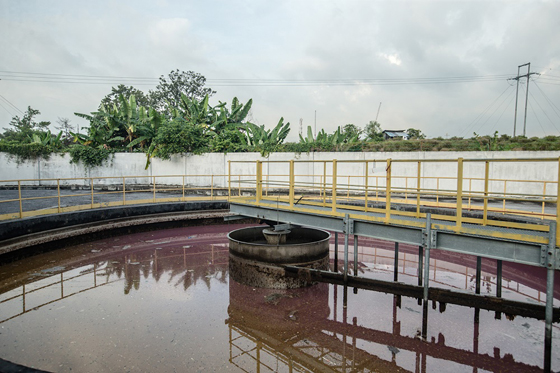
x=529 y=73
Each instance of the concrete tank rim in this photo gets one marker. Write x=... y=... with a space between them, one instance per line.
x=329 y=235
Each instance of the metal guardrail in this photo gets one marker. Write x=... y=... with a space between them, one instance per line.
x=395 y=189
x=74 y=194
x=393 y=194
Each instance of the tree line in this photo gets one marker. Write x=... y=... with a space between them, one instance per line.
x=177 y=117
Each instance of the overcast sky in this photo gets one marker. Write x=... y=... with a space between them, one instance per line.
x=439 y=66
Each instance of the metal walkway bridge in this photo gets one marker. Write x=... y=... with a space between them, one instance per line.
x=469 y=206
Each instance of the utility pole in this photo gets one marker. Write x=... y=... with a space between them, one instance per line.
x=379 y=108
x=528 y=75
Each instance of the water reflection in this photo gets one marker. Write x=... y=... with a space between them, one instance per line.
x=171 y=292
x=307 y=330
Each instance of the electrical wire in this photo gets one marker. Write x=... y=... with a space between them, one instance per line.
x=495 y=110
x=555 y=109
x=101 y=79
x=12 y=105
x=470 y=125
x=538 y=120
x=501 y=115
x=6 y=110
x=544 y=112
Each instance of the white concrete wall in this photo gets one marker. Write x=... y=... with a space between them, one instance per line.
x=199 y=168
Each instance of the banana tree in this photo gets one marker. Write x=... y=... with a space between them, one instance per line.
x=267 y=141
x=101 y=133
x=47 y=139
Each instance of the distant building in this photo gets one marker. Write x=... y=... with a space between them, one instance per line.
x=395 y=135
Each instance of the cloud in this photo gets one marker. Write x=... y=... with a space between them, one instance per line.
x=306 y=40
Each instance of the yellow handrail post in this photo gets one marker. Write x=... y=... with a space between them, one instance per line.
x=154 y=179
x=292 y=181
x=558 y=206
x=348 y=189
x=388 y=191
x=91 y=188
x=486 y=184
x=334 y=181
x=406 y=189
x=505 y=191
x=267 y=182
x=418 y=180
x=470 y=192
x=543 y=200
x=183 y=187
x=459 y=192
x=437 y=192
x=366 y=187
x=123 y=191
x=20 y=203
x=229 y=179
x=324 y=183
x=259 y=182
x=58 y=193
x=212 y=187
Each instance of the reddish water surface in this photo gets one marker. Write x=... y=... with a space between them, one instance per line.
x=163 y=301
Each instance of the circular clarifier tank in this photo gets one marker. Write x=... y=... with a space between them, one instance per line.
x=257 y=260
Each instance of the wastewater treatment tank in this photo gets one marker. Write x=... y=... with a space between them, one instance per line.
x=257 y=254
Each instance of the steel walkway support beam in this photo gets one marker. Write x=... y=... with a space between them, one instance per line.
x=473 y=244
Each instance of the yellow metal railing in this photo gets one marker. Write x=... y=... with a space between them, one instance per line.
x=388 y=190
x=466 y=192
x=74 y=194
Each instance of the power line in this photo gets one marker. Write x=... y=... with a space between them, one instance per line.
x=470 y=125
x=500 y=117
x=554 y=107
x=12 y=105
x=7 y=111
x=239 y=82
x=538 y=120
x=544 y=112
x=494 y=112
